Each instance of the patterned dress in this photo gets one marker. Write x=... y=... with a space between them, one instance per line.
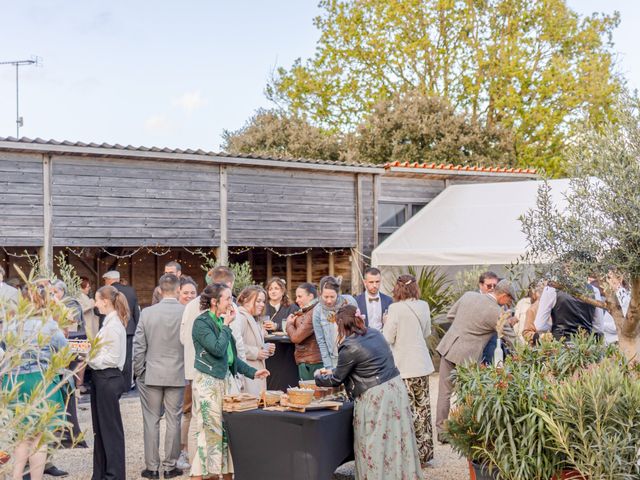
x=418 y=390
x=384 y=443
x=213 y=456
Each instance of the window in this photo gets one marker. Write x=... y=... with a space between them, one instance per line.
x=392 y=216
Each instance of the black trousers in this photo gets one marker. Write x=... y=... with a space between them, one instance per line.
x=127 y=370
x=108 y=448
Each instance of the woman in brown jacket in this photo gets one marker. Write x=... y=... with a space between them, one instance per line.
x=300 y=331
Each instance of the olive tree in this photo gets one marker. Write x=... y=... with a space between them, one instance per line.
x=598 y=229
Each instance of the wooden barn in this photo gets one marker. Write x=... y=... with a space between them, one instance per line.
x=135 y=208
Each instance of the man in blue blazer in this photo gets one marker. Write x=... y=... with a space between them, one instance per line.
x=372 y=303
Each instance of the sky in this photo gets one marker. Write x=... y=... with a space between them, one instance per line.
x=172 y=73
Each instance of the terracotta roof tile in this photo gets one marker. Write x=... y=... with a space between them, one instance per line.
x=466 y=168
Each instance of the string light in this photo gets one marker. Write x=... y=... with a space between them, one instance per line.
x=288 y=254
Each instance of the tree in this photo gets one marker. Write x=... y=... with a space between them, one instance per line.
x=274 y=133
x=533 y=67
x=598 y=230
x=416 y=128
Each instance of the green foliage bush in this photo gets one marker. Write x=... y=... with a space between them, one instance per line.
x=498 y=418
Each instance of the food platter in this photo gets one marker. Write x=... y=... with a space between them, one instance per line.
x=80 y=346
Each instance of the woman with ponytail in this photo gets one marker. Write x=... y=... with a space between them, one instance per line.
x=109 y=385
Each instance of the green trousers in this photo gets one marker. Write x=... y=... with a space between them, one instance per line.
x=305 y=370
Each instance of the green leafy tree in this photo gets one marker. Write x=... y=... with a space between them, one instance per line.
x=275 y=133
x=596 y=231
x=413 y=127
x=534 y=68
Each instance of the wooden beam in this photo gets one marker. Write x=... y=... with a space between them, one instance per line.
x=310 y=266
x=269 y=265
x=376 y=200
x=356 y=255
x=131 y=270
x=332 y=264
x=224 y=234
x=289 y=274
x=46 y=252
x=157 y=264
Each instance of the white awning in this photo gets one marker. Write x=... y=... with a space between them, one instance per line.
x=471 y=224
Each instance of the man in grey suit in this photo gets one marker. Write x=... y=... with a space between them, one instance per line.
x=7 y=292
x=474 y=318
x=158 y=363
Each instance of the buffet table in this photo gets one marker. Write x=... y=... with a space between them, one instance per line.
x=290 y=445
x=282 y=365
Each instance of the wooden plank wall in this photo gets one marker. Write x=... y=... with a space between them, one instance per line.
x=410 y=190
x=100 y=202
x=21 y=199
x=282 y=208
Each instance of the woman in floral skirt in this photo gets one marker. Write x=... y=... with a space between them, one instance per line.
x=216 y=364
x=384 y=441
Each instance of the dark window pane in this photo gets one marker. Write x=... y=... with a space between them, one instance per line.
x=391 y=214
x=415 y=208
x=382 y=237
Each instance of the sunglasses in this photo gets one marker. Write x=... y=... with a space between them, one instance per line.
x=490 y=286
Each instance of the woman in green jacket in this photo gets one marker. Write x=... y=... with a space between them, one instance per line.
x=216 y=362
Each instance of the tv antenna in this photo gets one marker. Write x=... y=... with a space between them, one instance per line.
x=37 y=61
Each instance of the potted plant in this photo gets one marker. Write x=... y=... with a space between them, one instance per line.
x=595 y=424
x=496 y=422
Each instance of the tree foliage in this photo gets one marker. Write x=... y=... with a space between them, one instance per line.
x=275 y=133
x=413 y=127
x=535 y=68
x=597 y=230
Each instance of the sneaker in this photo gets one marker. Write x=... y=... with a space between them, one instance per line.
x=183 y=461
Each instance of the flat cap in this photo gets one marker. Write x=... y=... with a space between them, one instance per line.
x=506 y=286
x=112 y=274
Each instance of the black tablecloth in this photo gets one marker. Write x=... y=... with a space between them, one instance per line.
x=289 y=445
x=282 y=365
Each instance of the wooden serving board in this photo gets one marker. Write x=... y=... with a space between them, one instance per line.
x=327 y=405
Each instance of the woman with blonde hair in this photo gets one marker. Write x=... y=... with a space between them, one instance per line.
x=109 y=385
x=406 y=329
x=43 y=336
x=251 y=303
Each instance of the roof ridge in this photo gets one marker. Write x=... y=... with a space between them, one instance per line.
x=452 y=166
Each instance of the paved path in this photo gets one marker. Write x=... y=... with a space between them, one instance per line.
x=446 y=466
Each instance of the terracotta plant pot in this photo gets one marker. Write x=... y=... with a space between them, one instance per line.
x=479 y=472
x=568 y=475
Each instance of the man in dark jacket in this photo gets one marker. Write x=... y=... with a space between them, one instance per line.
x=112 y=278
x=372 y=303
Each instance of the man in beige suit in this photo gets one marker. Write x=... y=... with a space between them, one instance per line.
x=474 y=318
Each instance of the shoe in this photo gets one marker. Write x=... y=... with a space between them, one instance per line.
x=150 y=473
x=183 y=461
x=26 y=476
x=175 y=472
x=55 y=471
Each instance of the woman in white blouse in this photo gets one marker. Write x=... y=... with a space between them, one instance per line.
x=407 y=328
x=108 y=386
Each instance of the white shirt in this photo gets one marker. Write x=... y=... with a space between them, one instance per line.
x=548 y=301
x=113 y=341
x=609 y=325
x=374 y=311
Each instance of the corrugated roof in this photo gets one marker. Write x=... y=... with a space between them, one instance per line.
x=179 y=151
x=459 y=168
x=397 y=166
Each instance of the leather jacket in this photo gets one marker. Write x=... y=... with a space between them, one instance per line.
x=364 y=361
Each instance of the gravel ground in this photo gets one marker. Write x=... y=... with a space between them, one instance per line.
x=447 y=465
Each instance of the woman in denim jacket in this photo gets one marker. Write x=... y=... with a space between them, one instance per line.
x=324 y=319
